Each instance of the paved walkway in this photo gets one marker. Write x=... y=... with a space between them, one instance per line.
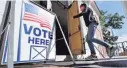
x=114 y=62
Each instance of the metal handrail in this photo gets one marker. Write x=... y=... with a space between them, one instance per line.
x=121 y=48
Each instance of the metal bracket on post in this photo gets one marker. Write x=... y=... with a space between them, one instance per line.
x=65 y=40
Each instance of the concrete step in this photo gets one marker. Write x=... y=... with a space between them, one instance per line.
x=113 y=62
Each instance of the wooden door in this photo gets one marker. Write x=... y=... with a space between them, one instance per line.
x=75 y=38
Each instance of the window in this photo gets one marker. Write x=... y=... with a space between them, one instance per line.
x=47 y=4
x=66 y=4
x=43 y=3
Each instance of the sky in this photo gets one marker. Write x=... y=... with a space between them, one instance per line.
x=113 y=7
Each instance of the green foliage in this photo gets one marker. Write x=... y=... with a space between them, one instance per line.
x=113 y=21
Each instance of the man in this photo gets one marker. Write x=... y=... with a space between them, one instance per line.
x=91 y=23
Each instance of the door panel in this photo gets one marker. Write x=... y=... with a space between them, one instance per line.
x=73 y=23
x=75 y=39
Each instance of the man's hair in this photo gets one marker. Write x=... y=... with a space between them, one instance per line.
x=83 y=5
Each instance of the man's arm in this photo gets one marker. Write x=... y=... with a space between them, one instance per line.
x=78 y=15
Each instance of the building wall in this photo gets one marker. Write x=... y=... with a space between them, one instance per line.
x=124 y=3
x=2 y=9
x=4 y=14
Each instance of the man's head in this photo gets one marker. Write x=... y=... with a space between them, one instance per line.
x=83 y=7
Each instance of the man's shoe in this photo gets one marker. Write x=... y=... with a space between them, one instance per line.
x=108 y=52
x=91 y=57
x=111 y=51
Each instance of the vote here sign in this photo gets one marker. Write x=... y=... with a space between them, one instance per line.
x=34 y=34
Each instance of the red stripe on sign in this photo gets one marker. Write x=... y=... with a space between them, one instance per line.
x=36 y=16
x=37 y=19
x=42 y=25
x=40 y=21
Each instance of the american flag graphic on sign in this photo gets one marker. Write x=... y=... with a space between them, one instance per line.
x=31 y=14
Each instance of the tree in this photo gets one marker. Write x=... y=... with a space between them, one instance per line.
x=110 y=21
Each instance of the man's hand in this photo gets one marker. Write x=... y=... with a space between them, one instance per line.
x=74 y=16
x=78 y=15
